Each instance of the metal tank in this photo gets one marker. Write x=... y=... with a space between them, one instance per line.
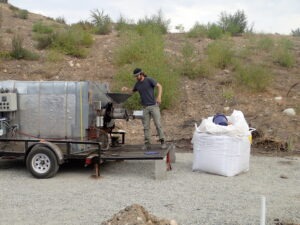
x=49 y=109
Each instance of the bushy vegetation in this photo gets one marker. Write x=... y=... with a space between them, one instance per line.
x=147 y=52
x=41 y=28
x=284 y=57
x=296 y=32
x=190 y=65
x=265 y=43
x=254 y=77
x=124 y=24
x=19 y=13
x=211 y=30
x=18 y=52
x=198 y=30
x=156 y=23
x=101 y=21
x=72 y=40
x=233 y=23
x=85 y=25
x=214 y=31
x=60 y=20
x=220 y=53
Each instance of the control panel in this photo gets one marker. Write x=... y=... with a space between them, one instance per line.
x=8 y=102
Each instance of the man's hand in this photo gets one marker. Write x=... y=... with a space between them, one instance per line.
x=158 y=99
x=124 y=89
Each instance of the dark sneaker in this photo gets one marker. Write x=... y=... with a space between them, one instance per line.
x=163 y=145
x=146 y=147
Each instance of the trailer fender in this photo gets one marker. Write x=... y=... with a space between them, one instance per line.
x=53 y=147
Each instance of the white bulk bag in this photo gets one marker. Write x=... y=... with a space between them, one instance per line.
x=222 y=150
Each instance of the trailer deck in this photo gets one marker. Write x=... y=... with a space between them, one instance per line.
x=134 y=152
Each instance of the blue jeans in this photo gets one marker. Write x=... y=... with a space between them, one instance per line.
x=149 y=112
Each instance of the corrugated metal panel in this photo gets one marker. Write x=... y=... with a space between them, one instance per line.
x=55 y=109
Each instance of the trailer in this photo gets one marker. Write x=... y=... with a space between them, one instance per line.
x=49 y=123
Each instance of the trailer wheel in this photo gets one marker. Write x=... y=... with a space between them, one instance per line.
x=42 y=162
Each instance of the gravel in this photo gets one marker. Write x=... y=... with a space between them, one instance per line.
x=190 y=198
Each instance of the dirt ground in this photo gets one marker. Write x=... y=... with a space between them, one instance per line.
x=199 y=98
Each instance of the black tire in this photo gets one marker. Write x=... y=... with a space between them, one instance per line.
x=42 y=162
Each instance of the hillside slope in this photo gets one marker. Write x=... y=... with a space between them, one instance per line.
x=198 y=98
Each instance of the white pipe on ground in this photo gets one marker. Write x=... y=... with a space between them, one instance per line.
x=263 y=210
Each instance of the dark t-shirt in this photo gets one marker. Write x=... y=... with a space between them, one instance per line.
x=146 y=91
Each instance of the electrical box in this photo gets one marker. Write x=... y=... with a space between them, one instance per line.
x=8 y=102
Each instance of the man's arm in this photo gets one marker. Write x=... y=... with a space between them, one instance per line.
x=160 y=89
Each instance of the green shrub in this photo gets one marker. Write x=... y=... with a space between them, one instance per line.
x=72 y=42
x=284 y=57
x=156 y=23
x=135 y=47
x=60 y=20
x=54 y=56
x=197 y=31
x=13 y=8
x=101 y=21
x=44 y=40
x=5 y=55
x=286 y=43
x=85 y=25
x=22 y=14
x=124 y=24
x=204 y=69
x=283 y=54
x=44 y=35
x=18 y=52
x=296 y=32
x=220 y=53
x=188 y=60
x=214 y=31
x=190 y=66
x=228 y=93
x=233 y=24
x=41 y=28
x=254 y=77
x=146 y=52
x=265 y=44
x=180 y=28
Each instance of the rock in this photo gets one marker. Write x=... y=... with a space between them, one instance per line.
x=289 y=112
x=278 y=98
x=173 y=222
x=226 y=71
x=5 y=70
x=78 y=65
x=226 y=109
x=283 y=176
x=71 y=64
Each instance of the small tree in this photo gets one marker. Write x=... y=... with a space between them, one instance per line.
x=234 y=24
x=296 y=32
x=102 y=22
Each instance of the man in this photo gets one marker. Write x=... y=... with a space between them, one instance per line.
x=145 y=86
